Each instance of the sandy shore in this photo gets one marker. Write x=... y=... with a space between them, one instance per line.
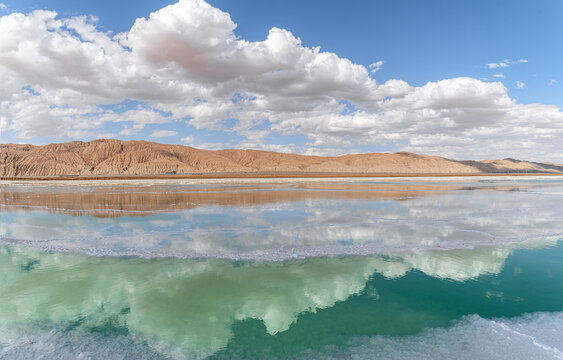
x=266 y=175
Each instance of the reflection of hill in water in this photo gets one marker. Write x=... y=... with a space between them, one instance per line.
x=265 y=226
x=141 y=200
x=193 y=304
x=108 y=201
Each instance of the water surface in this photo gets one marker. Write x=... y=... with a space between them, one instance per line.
x=464 y=268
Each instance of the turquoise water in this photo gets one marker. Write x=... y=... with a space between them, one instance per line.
x=464 y=269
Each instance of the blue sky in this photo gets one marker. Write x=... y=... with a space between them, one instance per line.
x=479 y=79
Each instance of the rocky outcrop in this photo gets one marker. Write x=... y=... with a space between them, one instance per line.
x=115 y=157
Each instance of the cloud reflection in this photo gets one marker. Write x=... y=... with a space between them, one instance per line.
x=277 y=225
x=193 y=304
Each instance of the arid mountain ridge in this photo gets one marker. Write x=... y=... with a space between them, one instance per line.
x=129 y=158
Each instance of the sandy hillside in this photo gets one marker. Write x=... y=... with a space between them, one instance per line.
x=115 y=157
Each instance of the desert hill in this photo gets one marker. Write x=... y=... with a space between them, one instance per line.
x=115 y=157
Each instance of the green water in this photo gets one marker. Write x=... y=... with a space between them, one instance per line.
x=225 y=309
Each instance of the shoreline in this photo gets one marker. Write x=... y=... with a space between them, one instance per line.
x=265 y=175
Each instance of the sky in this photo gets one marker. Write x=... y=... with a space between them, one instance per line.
x=460 y=79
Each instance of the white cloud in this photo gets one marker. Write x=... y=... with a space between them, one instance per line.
x=375 y=67
x=498 y=75
x=552 y=82
x=501 y=64
x=186 y=63
x=195 y=141
x=163 y=133
x=505 y=63
x=520 y=84
x=128 y=131
x=106 y=136
x=188 y=140
x=3 y=7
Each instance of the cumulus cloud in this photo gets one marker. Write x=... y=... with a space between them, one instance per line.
x=3 y=7
x=520 y=84
x=552 y=82
x=65 y=77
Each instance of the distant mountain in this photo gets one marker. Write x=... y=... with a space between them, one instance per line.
x=115 y=157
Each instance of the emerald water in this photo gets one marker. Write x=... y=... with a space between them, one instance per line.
x=347 y=269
